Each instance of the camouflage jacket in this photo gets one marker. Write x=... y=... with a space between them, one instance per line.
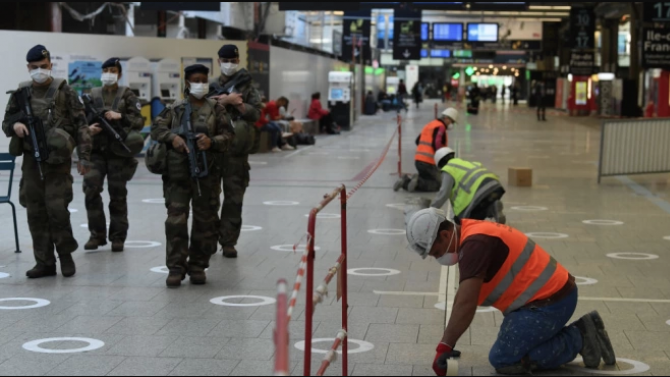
x=244 y=127
x=130 y=109
x=68 y=115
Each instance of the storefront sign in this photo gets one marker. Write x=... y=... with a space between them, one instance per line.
x=407 y=35
x=656 y=48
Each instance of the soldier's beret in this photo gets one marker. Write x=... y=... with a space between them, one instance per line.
x=38 y=53
x=229 y=52
x=196 y=68
x=113 y=62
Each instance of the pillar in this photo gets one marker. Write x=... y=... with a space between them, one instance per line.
x=55 y=18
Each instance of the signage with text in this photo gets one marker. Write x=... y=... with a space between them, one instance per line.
x=656 y=11
x=356 y=30
x=407 y=35
x=656 y=48
x=583 y=63
x=582 y=28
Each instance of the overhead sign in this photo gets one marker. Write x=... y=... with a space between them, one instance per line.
x=356 y=36
x=582 y=28
x=656 y=48
x=307 y=6
x=181 y=6
x=656 y=11
x=407 y=35
x=498 y=6
x=583 y=63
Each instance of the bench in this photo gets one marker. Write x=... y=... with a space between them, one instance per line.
x=265 y=145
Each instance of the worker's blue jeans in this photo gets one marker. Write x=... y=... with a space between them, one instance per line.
x=539 y=334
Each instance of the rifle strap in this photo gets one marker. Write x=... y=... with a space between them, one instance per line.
x=98 y=100
x=98 y=97
x=119 y=97
x=55 y=86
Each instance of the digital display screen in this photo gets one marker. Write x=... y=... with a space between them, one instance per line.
x=336 y=94
x=424 y=53
x=425 y=31
x=448 y=32
x=136 y=92
x=483 y=32
x=440 y=53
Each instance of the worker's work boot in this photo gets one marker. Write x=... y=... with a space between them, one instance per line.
x=198 y=277
x=175 y=278
x=94 y=244
x=524 y=368
x=118 y=246
x=591 y=351
x=40 y=271
x=402 y=183
x=229 y=252
x=609 y=356
x=413 y=184
x=67 y=266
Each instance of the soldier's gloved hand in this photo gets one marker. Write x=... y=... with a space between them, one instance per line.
x=180 y=145
x=204 y=142
x=95 y=129
x=113 y=115
x=21 y=130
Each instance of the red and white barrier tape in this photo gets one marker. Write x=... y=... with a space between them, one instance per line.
x=331 y=356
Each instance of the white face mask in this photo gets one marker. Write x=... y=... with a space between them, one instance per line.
x=229 y=69
x=450 y=259
x=109 y=79
x=40 y=76
x=199 y=90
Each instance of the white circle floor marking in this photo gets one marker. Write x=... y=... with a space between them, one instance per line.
x=154 y=201
x=480 y=310
x=161 y=270
x=327 y=216
x=547 y=235
x=603 y=222
x=386 y=272
x=142 y=244
x=348 y=158
x=222 y=301
x=35 y=346
x=85 y=226
x=281 y=203
x=638 y=368
x=289 y=248
x=39 y=303
x=667 y=238
x=633 y=256
x=4 y=275
x=257 y=163
x=388 y=232
x=585 y=281
x=398 y=206
x=72 y=210
x=529 y=208
x=251 y=228
x=668 y=323
x=362 y=346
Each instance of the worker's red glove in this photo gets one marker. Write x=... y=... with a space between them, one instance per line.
x=442 y=349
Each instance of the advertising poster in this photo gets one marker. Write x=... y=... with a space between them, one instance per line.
x=582 y=97
x=407 y=35
x=259 y=67
x=84 y=73
x=357 y=27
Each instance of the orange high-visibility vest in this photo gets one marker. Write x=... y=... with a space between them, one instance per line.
x=529 y=274
x=426 y=152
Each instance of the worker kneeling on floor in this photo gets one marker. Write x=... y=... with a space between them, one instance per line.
x=502 y=268
x=474 y=191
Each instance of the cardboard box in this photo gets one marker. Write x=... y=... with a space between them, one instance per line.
x=521 y=177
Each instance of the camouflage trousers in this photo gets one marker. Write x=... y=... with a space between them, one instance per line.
x=184 y=254
x=235 y=183
x=47 y=203
x=119 y=171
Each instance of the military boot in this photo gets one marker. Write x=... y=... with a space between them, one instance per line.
x=591 y=351
x=175 y=278
x=67 y=266
x=118 y=246
x=229 y=252
x=94 y=243
x=198 y=277
x=609 y=356
x=40 y=271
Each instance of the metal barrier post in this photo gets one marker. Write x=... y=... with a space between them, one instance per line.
x=399 y=146
x=281 y=331
x=344 y=287
x=309 y=310
x=436 y=111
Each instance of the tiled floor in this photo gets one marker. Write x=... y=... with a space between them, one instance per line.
x=149 y=330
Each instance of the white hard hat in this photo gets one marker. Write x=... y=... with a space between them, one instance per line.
x=452 y=114
x=442 y=153
x=423 y=229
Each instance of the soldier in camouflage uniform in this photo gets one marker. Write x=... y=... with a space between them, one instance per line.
x=122 y=111
x=211 y=124
x=47 y=196
x=244 y=102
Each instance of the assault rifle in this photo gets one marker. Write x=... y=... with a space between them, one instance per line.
x=35 y=126
x=197 y=158
x=99 y=117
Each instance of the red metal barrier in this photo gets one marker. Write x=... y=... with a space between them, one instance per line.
x=281 y=332
x=399 y=146
x=436 y=111
x=341 y=267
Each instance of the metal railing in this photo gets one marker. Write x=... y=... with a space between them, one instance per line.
x=640 y=146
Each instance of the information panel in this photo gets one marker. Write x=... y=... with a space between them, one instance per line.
x=447 y=32
x=483 y=32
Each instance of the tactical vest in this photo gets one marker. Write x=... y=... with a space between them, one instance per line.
x=426 y=152
x=468 y=177
x=45 y=108
x=528 y=275
x=247 y=136
x=101 y=140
